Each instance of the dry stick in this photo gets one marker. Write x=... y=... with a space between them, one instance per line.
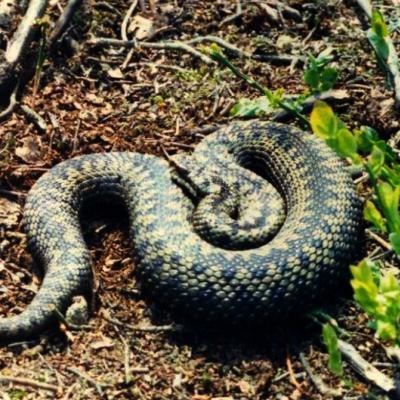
x=238 y=13
x=25 y=32
x=13 y=102
x=87 y=378
x=28 y=382
x=221 y=42
x=149 y=328
x=365 y=369
x=124 y=34
x=378 y=239
x=63 y=20
x=317 y=380
x=173 y=45
x=34 y=117
x=125 y=21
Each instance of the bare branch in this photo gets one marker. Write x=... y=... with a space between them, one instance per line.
x=365 y=369
x=172 y=45
x=63 y=20
x=29 y=382
x=128 y=15
x=24 y=33
x=221 y=42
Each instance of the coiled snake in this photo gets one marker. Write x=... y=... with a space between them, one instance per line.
x=208 y=232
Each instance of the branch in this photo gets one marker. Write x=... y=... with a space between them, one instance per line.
x=63 y=21
x=28 y=382
x=172 y=45
x=25 y=31
x=221 y=42
x=365 y=369
x=128 y=15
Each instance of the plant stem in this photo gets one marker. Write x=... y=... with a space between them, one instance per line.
x=284 y=104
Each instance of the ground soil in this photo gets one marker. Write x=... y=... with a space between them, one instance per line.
x=161 y=103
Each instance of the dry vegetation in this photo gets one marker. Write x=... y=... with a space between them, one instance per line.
x=161 y=101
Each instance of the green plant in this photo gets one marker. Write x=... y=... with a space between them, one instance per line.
x=269 y=101
x=43 y=25
x=379 y=296
x=318 y=76
x=377 y=36
x=330 y=338
x=382 y=211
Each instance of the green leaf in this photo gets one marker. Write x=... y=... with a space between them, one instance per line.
x=376 y=161
x=378 y=24
x=366 y=138
x=324 y=122
x=395 y=241
x=328 y=79
x=364 y=286
x=251 y=108
x=373 y=215
x=346 y=144
x=389 y=200
x=389 y=283
x=386 y=330
x=335 y=357
x=311 y=78
x=380 y=46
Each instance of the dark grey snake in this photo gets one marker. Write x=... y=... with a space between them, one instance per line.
x=210 y=240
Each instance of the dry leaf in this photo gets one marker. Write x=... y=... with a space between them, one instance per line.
x=105 y=343
x=115 y=73
x=141 y=27
x=30 y=150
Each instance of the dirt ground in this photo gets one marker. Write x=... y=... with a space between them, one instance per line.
x=162 y=101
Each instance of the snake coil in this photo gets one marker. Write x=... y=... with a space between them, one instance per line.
x=238 y=181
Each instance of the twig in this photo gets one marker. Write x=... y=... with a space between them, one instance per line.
x=29 y=382
x=98 y=386
x=238 y=13
x=365 y=369
x=221 y=42
x=172 y=45
x=63 y=21
x=25 y=31
x=279 y=58
x=13 y=102
x=378 y=239
x=34 y=117
x=124 y=34
x=292 y=376
x=157 y=65
x=125 y=21
x=317 y=380
x=149 y=328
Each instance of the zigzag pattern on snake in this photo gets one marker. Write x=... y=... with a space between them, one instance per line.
x=208 y=230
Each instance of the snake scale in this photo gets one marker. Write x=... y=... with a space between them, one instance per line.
x=208 y=231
